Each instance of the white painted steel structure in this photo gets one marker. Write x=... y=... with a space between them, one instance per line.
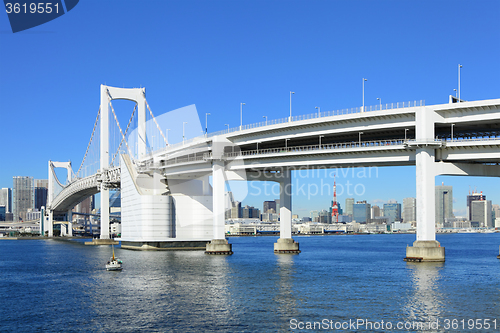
x=166 y=195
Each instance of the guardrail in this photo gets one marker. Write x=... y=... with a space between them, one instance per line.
x=323 y=147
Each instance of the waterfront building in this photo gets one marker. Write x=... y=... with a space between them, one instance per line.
x=375 y=211
x=269 y=217
x=392 y=211
x=313 y=214
x=349 y=202
x=409 y=210
x=2 y=212
x=473 y=197
x=41 y=190
x=495 y=211
x=236 y=210
x=444 y=203
x=361 y=212
x=248 y=212
x=345 y=218
x=23 y=197
x=6 y=199
x=268 y=206
x=481 y=213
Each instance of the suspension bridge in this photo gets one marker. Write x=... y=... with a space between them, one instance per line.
x=168 y=201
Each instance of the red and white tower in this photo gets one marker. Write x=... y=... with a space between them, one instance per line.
x=335 y=206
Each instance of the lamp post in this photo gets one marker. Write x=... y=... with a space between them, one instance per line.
x=363 y=109
x=184 y=123
x=406 y=129
x=291 y=92
x=286 y=143
x=258 y=147
x=456 y=95
x=459 y=66
x=319 y=112
x=380 y=100
x=265 y=118
x=360 y=138
x=241 y=115
x=321 y=136
x=452 y=131
x=206 y=122
x=166 y=135
x=227 y=127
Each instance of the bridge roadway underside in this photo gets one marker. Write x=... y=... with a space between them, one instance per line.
x=75 y=199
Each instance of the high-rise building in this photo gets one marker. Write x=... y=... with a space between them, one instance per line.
x=41 y=190
x=409 y=210
x=250 y=212
x=269 y=207
x=6 y=199
x=496 y=211
x=349 y=202
x=444 y=203
x=361 y=212
x=2 y=212
x=236 y=210
x=481 y=213
x=473 y=197
x=375 y=211
x=313 y=214
x=23 y=196
x=392 y=211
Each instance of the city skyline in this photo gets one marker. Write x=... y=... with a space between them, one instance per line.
x=247 y=55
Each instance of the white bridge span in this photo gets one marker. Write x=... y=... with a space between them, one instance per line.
x=168 y=202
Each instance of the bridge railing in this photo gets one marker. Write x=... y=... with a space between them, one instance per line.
x=323 y=147
x=379 y=107
x=203 y=138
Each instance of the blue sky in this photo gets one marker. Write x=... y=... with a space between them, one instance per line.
x=217 y=54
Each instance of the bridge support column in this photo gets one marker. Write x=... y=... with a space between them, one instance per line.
x=104 y=213
x=70 y=223
x=285 y=243
x=425 y=248
x=50 y=225
x=219 y=244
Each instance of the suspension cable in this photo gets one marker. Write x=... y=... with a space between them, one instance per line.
x=90 y=142
x=126 y=131
x=157 y=126
x=121 y=132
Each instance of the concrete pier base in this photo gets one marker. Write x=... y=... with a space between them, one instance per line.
x=219 y=246
x=425 y=251
x=286 y=245
x=102 y=242
x=164 y=246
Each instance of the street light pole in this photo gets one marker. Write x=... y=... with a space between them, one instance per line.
x=286 y=143
x=360 y=138
x=227 y=127
x=380 y=100
x=319 y=111
x=265 y=118
x=241 y=115
x=291 y=92
x=184 y=123
x=363 y=109
x=206 y=122
x=452 y=131
x=166 y=133
x=406 y=129
x=321 y=136
x=459 y=66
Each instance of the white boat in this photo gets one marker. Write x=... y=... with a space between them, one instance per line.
x=114 y=264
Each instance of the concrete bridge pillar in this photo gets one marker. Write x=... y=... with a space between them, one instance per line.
x=50 y=224
x=70 y=223
x=285 y=243
x=219 y=244
x=425 y=248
